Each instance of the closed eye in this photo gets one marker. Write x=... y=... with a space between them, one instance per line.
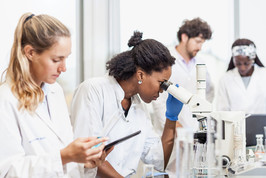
x=56 y=60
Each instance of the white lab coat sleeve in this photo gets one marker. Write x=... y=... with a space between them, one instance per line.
x=222 y=99
x=87 y=173
x=86 y=111
x=13 y=160
x=153 y=149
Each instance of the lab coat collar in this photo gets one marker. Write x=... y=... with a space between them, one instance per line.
x=181 y=58
x=120 y=94
x=49 y=91
x=238 y=78
x=136 y=99
x=47 y=88
x=235 y=70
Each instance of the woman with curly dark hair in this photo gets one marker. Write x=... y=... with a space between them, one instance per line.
x=113 y=106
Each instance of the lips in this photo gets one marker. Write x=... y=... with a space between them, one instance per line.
x=56 y=75
x=155 y=97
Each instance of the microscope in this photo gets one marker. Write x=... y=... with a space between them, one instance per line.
x=197 y=103
x=207 y=159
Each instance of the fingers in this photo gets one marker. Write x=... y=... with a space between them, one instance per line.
x=93 y=156
x=94 y=153
x=91 y=139
x=109 y=150
x=94 y=142
x=88 y=149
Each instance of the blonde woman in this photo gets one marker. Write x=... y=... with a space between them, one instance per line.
x=35 y=130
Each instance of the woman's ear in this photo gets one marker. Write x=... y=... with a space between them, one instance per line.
x=29 y=52
x=140 y=74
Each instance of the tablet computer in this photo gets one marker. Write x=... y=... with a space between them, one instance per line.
x=109 y=145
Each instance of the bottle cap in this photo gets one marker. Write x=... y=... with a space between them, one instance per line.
x=259 y=135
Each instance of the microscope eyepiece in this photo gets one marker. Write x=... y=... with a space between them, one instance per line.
x=164 y=85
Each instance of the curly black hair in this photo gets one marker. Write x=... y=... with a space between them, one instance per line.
x=195 y=27
x=149 y=55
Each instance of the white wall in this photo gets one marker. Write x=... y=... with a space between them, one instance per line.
x=64 y=10
x=101 y=35
x=156 y=18
x=252 y=24
x=161 y=20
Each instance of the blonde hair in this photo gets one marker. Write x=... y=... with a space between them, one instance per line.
x=41 y=32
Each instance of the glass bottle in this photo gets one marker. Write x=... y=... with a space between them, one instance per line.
x=259 y=150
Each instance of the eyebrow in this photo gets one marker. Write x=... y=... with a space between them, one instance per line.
x=55 y=56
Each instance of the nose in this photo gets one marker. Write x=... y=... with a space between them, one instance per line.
x=62 y=67
x=200 y=46
x=242 y=68
x=161 y=90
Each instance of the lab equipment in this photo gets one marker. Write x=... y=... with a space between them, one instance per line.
x=239 y=151
x=184 y=152
x=259 y=150
x=148 y=171
x=207 y=136
x=198 y=105
x=233 y=135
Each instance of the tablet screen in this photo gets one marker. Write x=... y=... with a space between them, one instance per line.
x=108 y=146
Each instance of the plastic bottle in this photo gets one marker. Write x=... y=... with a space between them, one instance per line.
x=259 y=150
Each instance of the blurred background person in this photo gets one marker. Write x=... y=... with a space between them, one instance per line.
x=243 y=87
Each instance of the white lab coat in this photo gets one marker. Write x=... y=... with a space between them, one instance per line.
x=96 y=110
x=31 y=143
x=232 y=94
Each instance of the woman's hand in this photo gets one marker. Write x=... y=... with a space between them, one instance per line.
x=81 y=151
x=98 y=161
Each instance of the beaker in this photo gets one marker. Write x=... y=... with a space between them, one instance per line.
x=184 y=152
x=148 y=171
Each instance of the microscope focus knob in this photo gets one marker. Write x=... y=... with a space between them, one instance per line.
x=225 y=161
